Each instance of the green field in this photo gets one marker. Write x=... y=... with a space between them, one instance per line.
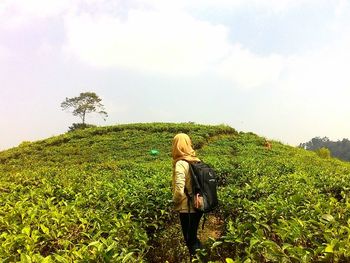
x=98 y=195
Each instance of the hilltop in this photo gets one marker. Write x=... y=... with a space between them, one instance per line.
x=98 y=195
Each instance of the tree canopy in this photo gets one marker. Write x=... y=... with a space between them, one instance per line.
x=86 y=102
x=338 y=149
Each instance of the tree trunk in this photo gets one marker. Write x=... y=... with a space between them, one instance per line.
x=84 y=117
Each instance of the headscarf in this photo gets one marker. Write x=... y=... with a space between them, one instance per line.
x=182 y=149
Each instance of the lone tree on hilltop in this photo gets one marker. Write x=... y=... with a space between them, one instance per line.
x=85 y=103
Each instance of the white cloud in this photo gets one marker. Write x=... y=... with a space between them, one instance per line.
x=38 y=8
x=151 y=41
x=161 y=37
x=270 y=5
x=171 y=42
x=248 y=70
x=341 y=23
x=46 y=50
x=342 y=8
x=17 y=13
x=280 y=5
x=4 y=52
x=322 y=71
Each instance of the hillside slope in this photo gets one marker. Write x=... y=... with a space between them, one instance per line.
x=98 y=195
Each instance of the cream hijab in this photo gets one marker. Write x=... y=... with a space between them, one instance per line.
x=182 y=149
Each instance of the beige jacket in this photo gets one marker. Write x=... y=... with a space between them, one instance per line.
x=182 y=179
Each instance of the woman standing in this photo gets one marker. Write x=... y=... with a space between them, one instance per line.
x=183 y=154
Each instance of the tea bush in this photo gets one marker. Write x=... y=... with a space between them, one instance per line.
x=98 y=195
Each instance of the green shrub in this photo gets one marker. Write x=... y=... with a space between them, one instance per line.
x=96 y=195
x=323 y=153
x=80 y=126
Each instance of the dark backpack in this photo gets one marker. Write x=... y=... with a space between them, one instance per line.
x=204 y=184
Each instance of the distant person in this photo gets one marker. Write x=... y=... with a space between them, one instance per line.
x=183 y=153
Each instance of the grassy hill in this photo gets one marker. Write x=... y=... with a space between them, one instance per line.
x=98 y=195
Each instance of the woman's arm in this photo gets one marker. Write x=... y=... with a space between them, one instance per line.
x=180 y=180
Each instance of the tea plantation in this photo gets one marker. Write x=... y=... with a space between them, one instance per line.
x=99 y=195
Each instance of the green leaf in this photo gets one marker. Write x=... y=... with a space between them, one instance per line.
x=111 y=247
x=93 y=243
x=25 y=258
x=47 y=260
x=45 y=229
x=229 y=260
x=286 y=246
x=329 y=248
x=127 y=257
x=253 y=241
x=217 y=243
x=328 y=217
x=60 y=259
x=26 y=230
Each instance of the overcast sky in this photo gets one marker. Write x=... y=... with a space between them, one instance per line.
x=278 y=68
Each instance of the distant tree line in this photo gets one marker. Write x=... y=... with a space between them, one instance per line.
x=338 y=149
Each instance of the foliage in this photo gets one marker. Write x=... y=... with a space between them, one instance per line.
x=97 y=195
x=80 y=126
x=86 y=102
x=323 y=153
x=338 y=149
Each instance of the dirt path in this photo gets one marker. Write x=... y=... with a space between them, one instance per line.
x=213 y=228
x=170 y=247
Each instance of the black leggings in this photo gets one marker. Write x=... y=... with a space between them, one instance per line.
x=189 y=225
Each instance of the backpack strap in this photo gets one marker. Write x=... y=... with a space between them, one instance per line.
x=194 y=180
